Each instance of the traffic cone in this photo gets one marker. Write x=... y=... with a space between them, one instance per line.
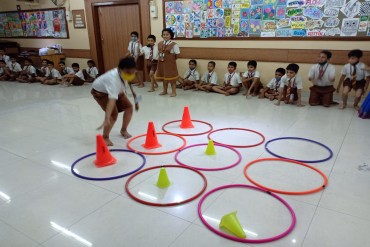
x=210 y=148
x=186 y=120
x=151 y=140
x=232 y=224
x=103 y=156
x=163 y=181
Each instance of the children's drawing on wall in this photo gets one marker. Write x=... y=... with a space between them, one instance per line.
x=265 y=18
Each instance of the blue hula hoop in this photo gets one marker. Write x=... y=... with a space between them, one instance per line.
x=302 y=139
x=108 y=178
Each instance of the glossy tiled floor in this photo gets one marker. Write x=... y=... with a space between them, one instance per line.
x=45 y=128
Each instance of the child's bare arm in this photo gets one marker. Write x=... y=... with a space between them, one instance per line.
x=280 y=94
x=299 y=101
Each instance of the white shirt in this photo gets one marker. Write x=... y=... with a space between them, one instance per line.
x=194 y=75
x=54 y=74
x=361 y=73
x=273 y=84
x=6 y=59
x=255 y=74
x=134 y=48
x=110 y=83
x=213 y=78
x=45 y=70
x=146 y=51
x=93 y=71
x=296 y=82
x=15 y=67
x=175 y=49
x=234 y=81
x=329 y=73
x=68 y=70
x=80 y=75
x=30 y=70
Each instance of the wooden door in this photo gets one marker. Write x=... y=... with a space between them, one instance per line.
x=116 y=23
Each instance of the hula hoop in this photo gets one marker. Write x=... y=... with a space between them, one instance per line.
x=302 y=139
x=107 y=178
x=282 y=191
x=264 y=240
x=193 y=134
x=238 y=146
x=155 y=153
x=169 y=203
x=209 y=169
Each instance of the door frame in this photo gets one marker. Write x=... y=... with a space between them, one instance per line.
x=93 y=26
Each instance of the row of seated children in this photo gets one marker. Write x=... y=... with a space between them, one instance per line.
x=47 y=74
x=287 y=84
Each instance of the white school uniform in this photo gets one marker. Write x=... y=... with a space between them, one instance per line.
x=329 y=73
x=45 y=70
x=6 y=59
x=54 y=73
x=212 y=77
x=30 y=70
x=146 y=51
x=110 y=83
x=296 y=82
x=80 y=75
x=15 y=67
x=175 y=49
x=235 y=79
x=134 y=48
x=93 y=71
x=68 y=71
x=2 y=71
x=361 y=73
x=192 y=75
x=255 y=74
x=274 y=84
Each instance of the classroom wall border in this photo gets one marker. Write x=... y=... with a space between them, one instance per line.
x=308 y=56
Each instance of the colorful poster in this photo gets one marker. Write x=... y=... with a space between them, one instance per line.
x=269 y=12
x=268 y=25
x=256 y=12
x=244 y=13
x=351 y=9
x=364 y=21
x=283 y=33
x=280 y=12
x=254 y=26
x=349 y=27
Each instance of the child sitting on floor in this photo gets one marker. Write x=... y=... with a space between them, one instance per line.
x=91 y=72
x=231 y=83
x=271 y=91
x=191 y=76
x=251 y=79
x=28 y=74
x=209 y=79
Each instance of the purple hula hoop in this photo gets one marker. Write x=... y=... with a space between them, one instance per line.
x=301 y=139
x=209 y=169
x=264 y=240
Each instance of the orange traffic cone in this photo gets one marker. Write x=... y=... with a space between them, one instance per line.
x=186 y=120
x=151 y=140
x=103 y=156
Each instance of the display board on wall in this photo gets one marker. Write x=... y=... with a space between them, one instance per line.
x=287 y=19
x=41 y=23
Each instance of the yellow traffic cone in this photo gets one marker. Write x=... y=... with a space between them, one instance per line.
x=232 y=224
x=210 y=148
x=163 y=181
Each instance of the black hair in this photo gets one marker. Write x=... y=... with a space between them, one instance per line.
x=75 y=65
x=135 y=33
x=2 y=49
x=212 y=62
x=2 y=61
x=280 y=70
x=234 y=64
x=327 y=53
x=28 y=60
x=169 y=30
x=62 y=62
x=151 y=36
x=127 y=63
x=45 y=60
x=91 y=61
x=13 y=57
x=355 y=53
x=193 y=61
x=252 y=63
x=293 y=67
x=50 y=62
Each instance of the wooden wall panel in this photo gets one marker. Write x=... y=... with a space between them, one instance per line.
x=75 y=53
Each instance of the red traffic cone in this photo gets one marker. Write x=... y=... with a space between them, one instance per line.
x=151 y=140
x=103 y=156
x=186 y=120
